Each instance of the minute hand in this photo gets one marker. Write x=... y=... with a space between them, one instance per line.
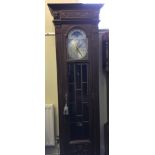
x=78 y=51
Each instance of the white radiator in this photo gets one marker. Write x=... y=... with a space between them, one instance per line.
x=49 y=125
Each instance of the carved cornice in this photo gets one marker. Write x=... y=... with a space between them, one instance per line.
x=56 y=14
x=75 y=13
x=78 y=14
x=74 y=17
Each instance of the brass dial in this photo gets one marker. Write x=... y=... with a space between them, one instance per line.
x=77 y=45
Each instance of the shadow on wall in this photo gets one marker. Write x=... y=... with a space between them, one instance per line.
x=104 y=90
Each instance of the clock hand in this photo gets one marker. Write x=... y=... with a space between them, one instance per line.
x=76 y=47
x=78 y=51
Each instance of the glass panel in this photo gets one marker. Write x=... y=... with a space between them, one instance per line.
x=85 y=130
x=85 y=112
x=72 y=109
x=85 y=92
x=84 y=73
x=78 y=102
x=76 y=131
x=79 y=130
x=78 y=76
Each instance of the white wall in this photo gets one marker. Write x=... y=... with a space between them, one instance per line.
x=104 y=12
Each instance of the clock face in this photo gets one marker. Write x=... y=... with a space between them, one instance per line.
x=77 y=45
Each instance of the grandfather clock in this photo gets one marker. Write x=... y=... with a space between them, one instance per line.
x=77 y=41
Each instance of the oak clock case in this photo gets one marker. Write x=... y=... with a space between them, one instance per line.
x=76 y=28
